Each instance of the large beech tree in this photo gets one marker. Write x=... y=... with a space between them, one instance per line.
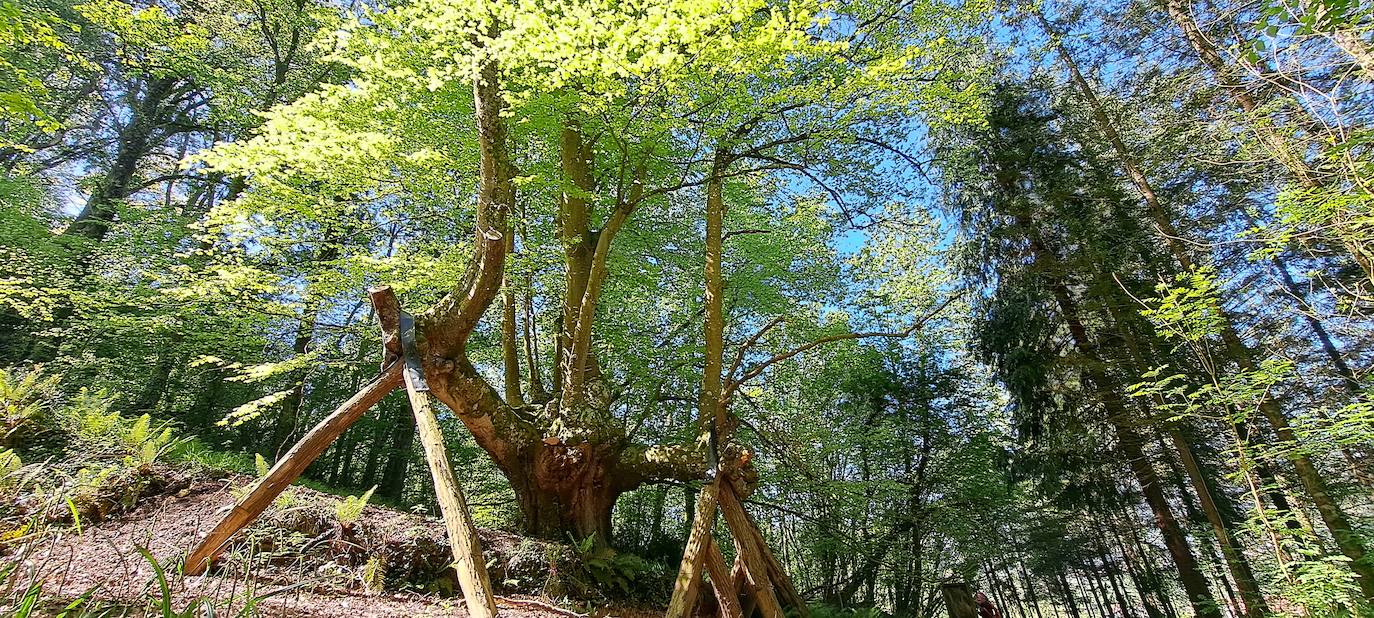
x=593 y=121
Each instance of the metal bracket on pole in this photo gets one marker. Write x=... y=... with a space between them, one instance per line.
x=414 y=371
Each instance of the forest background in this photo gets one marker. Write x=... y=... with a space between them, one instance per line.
x=1068 y=300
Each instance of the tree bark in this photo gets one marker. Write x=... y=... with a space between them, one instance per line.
x=135 y=141
x=1332 y=514
x=1130 y=442
x=709 y=406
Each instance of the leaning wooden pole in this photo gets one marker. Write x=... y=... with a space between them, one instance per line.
x=289 y=467
x=722 y=583
x=694 y=556
x=786 y=590
x=398 y=334
x=462 y=534
x=748 y=544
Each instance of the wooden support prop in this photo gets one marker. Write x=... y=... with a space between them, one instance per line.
x=755 y=565
x=289 y=467
x=781 y=581
x=722 y=583
x=462 y=534
x=693 y=557
x=740 y=579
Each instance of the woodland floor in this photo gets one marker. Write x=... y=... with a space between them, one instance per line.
x=310 y=578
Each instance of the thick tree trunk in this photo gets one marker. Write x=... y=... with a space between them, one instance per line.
x=567 y=492
x=566 y=475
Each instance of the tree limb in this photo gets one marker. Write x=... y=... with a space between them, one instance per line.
x=761 y=367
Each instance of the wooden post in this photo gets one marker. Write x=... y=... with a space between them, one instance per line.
x=289 y=467
x=722 y=583
x=786 y=590
x=462 y=534
x=958 y=601
x=689 y=573
x=754 y=563
x=740 y=579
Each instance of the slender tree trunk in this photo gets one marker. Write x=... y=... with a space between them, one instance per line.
x=1151 y=571
x=1130 y=442
x=1068 y=596
x=1129 y=560
x=531 y=335
x=1100 y=593
x=510 y=357
x=1020 y=596
x=578 y=242
x=1352 y=43
x=709 y=407
x=398 y=458
x=1181 y=13
x=1309 y=314
x=156 y=387
x=134 y=143
x=1235 y=559
x=287 y=423
x=1028 y=584
x=1109 y=567
x=344 y=474
x=1090 y=602
x=1332 y=514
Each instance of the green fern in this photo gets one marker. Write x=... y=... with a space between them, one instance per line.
x=24 y=397
x=350 y=509
x=374 y=575
x=9 y=464
x=138 y=432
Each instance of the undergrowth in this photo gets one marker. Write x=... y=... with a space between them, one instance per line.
x=68 y=462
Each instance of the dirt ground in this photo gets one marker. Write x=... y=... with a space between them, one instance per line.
x=104 y=558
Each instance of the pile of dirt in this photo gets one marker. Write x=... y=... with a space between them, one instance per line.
x=298 y=560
